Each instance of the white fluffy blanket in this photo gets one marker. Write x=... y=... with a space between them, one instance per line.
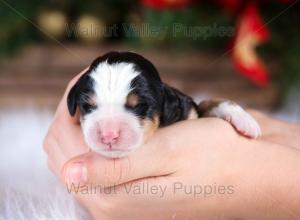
x=28 y=190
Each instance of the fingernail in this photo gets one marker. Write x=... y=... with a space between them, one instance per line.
x=76 y=173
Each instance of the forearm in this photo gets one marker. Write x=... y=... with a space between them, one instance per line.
x=268 y=182
x=265 y=176
x=278 y=131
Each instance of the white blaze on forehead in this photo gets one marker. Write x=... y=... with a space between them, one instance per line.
x=111 y=87
x=112 y=81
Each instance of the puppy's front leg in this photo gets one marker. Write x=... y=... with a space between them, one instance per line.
x=233 y=113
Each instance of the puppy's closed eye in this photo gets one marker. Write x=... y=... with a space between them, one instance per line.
x=136 y=105
x=87 y=108
x=88 y=103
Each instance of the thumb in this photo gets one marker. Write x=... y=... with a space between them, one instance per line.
x=150 y=160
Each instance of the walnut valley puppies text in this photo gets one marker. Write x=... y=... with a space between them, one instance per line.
x=148 y=30
x=160 y=191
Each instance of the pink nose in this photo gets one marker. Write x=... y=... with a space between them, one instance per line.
x=109 y=137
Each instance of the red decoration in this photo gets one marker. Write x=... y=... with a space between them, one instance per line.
x=166 y=4
x=250 y=33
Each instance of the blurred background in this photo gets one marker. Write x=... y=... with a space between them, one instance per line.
x=246 y=51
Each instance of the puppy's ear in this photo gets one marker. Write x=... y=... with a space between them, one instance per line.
x=84 y=85
x=176 y=106
x=72 y=99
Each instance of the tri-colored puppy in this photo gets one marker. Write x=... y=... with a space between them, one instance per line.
x=122 y=101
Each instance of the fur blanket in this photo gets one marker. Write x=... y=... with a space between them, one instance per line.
x=28 y=190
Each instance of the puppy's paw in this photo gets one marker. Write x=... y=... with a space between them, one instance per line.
x=243 y=122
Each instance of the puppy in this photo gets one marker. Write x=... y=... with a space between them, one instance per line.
x=122 y=102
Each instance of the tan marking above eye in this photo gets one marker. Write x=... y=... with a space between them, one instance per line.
x=92 y=100
x=132 y=100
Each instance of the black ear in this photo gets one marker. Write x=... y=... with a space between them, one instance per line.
x=176 y=106
x=72 y=99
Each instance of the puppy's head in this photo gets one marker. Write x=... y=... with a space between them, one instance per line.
x=119 y=99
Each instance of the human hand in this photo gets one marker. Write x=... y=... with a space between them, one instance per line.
x=216 y=157
x=277 y=131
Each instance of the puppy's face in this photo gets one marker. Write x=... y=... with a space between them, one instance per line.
x=119 y=99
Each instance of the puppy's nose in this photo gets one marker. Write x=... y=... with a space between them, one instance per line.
x=109 y=137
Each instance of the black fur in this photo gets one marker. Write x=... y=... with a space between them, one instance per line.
x=79 y=95
x=155 y=97
x=176 y=106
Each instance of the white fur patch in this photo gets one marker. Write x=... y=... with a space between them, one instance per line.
x=112 y=86
x=238 y=117
x=113 y=82
x=28 y=190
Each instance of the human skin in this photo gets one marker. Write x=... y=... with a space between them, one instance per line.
x=264 y=174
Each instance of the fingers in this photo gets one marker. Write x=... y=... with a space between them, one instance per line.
x=268 y=124
x=125 y=202
x=152 y=159
x=161 y=155
x=277 y=131
x=65 y=136
x=64 y=139
x=56 y=158
x=71 y=139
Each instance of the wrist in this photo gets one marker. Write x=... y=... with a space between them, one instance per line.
x=267 y=183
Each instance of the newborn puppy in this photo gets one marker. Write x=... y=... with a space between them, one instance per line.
x=122 y=102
